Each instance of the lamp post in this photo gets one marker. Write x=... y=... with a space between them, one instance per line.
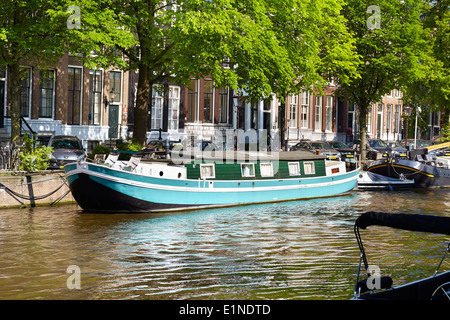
x=415 y=128
x=407 y=110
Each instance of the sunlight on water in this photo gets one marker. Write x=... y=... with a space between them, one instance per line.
x=292 y=250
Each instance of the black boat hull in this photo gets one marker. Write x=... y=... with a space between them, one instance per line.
x=424 y=175
x=424 y=289
x=94 y=197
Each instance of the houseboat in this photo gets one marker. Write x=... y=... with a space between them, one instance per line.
x=149 y=185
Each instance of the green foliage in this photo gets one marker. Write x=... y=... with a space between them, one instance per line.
x=392 y=56
x=128 y=146
x=445 y=131
x=34 y=158
x=99 y=149
x=432 y=90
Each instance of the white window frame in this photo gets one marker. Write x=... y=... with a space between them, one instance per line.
x=115 y=71
x=270 y=171
x=52 y=94
x=329 y=114
x=100 y=104
x=318 y=100
x=227 y=104
x=80 y=112
x=304 y=113
x=213 y=99
x=195 y=119
x=174 y=101
x=157 y=102
x=305 y=166
x=297 y=168
x=211 y=165
x=30 y=89
x=293 y=111
x=252 y=173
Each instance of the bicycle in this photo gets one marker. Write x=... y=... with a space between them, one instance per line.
x=10 y=157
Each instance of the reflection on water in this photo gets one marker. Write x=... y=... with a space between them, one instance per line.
x=293 y=250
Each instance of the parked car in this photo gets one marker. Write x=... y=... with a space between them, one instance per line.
x=376 y=149
x=66 y=149
x=317 y=147
x=420 y=143
x=398 y=150
x=347 y=153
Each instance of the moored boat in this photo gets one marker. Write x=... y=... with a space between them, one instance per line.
x=378 y=287
x=372 y=181
x=425 y=169
x=203 y=182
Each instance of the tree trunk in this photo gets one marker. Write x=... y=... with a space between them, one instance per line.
x=14 y=90
x=363 y=107
x=142 y=102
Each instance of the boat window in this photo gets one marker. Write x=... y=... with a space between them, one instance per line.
x=309 y=168
x=207 y=171
x=294 y=168
x=248 y=169
x=266 y=169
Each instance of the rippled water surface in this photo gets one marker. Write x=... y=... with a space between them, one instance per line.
x=292 y=250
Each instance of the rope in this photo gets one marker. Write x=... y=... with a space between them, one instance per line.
x=406 y=175
x=18 y=195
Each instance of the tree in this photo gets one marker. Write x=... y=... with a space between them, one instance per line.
x=270 y=46
x=29 y=31
x=42 y=31
x=392 y=45
x=432 y=91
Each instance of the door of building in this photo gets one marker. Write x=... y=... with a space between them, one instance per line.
x=113 y=121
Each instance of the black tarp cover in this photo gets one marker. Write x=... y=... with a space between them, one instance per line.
x=412 y=222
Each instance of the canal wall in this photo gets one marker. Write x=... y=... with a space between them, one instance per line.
x=34 y=189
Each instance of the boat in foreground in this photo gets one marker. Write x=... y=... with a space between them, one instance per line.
x=141 y=185
x=427 y=167
x=377 y=287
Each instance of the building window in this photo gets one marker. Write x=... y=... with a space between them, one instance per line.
x=207 y=171
x=369 y=120
x=95 y=96
x=388 y=118
x=294 y=168
x=305 y=109
x=318 y=113
x=157 y=108
x=266 y=169
x=208 y=98
x=193 y=101
x=293 y=111
x=46 y=93
x=174 y=107
x=308 y=167
x=115 y=86
x=380 y=120
x=329 y=114
x=25 y=94
x=248 y=169
x=223 y=105
x=397 y=118
x=74 y=90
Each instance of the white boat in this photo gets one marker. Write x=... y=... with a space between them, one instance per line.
x=371 y=181
x=159 y=185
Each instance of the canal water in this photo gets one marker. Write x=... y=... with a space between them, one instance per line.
x=294 y=250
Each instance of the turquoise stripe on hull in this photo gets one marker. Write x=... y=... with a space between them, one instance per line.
x=210 y=196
